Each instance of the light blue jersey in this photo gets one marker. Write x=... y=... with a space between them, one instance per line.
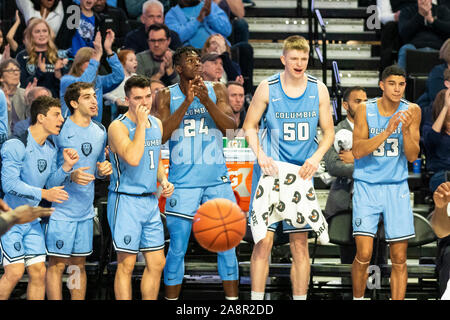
x=196 y=147
x=26 y=168
x=139 y=180
x=289 y=125
x=90 y=143
x=387 y=164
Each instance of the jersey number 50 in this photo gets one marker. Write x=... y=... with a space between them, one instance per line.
x=295 y=131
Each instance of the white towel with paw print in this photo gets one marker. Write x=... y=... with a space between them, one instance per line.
x=286 y=197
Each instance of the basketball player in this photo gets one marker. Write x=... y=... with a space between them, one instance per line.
x=289 y=105
x=385 y=137
x=69 y=232
x=29 y=164
x=133 y=212
x=195 y=114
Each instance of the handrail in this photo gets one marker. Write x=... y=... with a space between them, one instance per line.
x=336 y=92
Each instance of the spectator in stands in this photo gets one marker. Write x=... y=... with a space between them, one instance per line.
x=235 y=11
x=41 y=59
x=85 y=66
x=15 y=96
x=117 y=97
x=156 y=63
x=440 y=221
x=437 y=139
x=388 y=14
x=424 y=26
x=196 y=20
x=84 y=35
x=152 y=12
x=11 y=45
x=435 y=83
x=155 y=86
x=34 y=93
x=236 y=98
x=52 y=11
x=114 y=19
x=212 y=67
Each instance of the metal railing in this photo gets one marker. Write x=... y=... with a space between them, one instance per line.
x=314 y=21
x=336 y=92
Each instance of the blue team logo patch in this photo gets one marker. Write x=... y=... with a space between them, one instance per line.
x=86 y=148
x=59 y=244
x=173 y=202
x=17 y=246
x=127 y=239
x=42 y=165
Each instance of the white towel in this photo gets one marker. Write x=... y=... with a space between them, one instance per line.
x=289 y=198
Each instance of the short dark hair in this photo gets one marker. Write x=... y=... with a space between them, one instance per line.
x=393 y=70
x=41 y=105
x=157 y=27
x=73 y=93
x=349 y=91
x=182 y=50
x=234 y=83
x=136 y=81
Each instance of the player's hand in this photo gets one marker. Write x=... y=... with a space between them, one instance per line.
x=167 y=189
x=70 y=158
x=190 y=92
x=441 y=196
x=4 y=206
x=308 y=169
x=104 y=168
x=346 y=156
x=393 y=123
x=142 y=113
x=267 y=164
x=406 y=118
x=200 y=90
x=81 y=177
x=55 y=194
x=25 y=213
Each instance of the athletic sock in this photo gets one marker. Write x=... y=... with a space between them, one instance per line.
x=257 y=295
x=171 y=299
x=231 y=298
x=355 y=298
x=303 y=297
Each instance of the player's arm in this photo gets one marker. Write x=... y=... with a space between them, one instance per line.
x=220 y=111
x=411 y=133
x=255 y=111
x=440 y=220
x=59 y=175
x=326 y=124
x=104 y=167
x=131 y=151
x=171 y=122
x=167 y=187
x=362 y=145
x=13 y=153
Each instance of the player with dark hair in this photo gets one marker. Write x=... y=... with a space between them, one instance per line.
x=195 y=115
x=133 y=212
x=385 y=137
x=29 y=165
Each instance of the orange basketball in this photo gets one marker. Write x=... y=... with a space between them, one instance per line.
x=219 y=225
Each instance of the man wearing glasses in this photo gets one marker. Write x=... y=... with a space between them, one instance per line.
x=157 y=63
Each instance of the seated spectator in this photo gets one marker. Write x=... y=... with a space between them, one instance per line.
x=54 y=12
x=41 y=59
x=217 y=44
x=235 y=11
x=388 y=14
x=85 y=67
x=152 y=12
x=212 y=67
x=437 y=139
x=424 y=26
x=117 y=97
x=236 y=99
x=22 y=126
x=435 y=82
x=196 y=20
x=114 y=19
x=15 y=96
x=156 y=63
x=440 y=221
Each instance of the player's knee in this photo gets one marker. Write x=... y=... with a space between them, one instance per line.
x=398 y=260
x=157 y=264
x=364 y=255
x=263 y=249
x=37 y=272
x=126 y=267
x=14 y=274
